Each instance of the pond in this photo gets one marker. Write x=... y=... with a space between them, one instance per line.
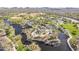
x=63 y=38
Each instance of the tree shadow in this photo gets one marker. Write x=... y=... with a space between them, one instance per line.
x=25 y=39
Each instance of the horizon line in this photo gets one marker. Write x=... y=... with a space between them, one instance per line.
x=38 y=7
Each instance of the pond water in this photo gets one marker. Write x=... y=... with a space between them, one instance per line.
x=18 y=28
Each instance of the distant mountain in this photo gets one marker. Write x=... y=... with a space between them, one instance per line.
x=44 y=9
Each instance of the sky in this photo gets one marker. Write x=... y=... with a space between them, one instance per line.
x=39 y=3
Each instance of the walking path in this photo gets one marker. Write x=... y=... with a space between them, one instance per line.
x=68 y=41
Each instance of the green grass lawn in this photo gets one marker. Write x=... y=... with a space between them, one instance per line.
x=72 y=28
